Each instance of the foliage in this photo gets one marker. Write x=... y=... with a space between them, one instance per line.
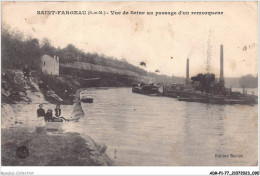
x=206 y=81
x=18 y=51
x=143 y=64
x=248 y=81
x=46 y=47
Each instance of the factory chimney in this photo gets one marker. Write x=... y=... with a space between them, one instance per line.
x=187 y=72
x=221 y=78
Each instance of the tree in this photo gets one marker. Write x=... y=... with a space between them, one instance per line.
x=143 y=64
x=69 y=54
x=47 y=48
x=31 y=54
x=248 y=81
x=206 y=81
x=17 y=51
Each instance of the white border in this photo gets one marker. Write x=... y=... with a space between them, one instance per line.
x=117 y=170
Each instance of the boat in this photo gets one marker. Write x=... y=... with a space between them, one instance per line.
x=147 y=89
x=193 y=99
x=216 y=99
x=87 y=100
x=87 y=96
x=56 y=126
x=234 y=101
x=53 y=126
x=170 y=94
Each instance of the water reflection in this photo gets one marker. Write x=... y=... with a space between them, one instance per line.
x=163 y=131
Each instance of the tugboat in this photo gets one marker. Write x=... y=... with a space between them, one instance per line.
x=146 y=89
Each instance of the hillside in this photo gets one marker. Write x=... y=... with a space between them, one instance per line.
x=17 y=50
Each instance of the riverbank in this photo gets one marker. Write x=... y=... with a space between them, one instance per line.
x=47 y=148
x=68 y=149
x=18 y=128
x=57 y=89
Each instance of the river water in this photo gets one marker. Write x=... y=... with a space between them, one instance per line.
x=141 y=130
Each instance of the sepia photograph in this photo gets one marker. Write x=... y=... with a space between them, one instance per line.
x=129 y=83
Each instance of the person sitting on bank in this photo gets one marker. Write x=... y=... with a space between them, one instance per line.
x=48 y=116
x=57 y=111
x=40 y=111
x=58 y=114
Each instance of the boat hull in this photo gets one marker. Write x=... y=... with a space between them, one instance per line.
x=87 y=100
x=53 y=126
x=147 y=91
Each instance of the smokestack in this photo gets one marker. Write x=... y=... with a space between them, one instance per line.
x=221 y=78
x=187 y=72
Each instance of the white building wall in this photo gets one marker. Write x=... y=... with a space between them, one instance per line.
x=50 y=65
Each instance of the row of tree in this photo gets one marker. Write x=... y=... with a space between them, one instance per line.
x=18 y=50
x=248 y=81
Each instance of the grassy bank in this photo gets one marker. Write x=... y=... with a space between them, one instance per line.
x=67 y=149
x=45 y=149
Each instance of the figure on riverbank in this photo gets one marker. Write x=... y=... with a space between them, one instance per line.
x=48 y=116
x=77 y=111
x=40 y=111
x=5 y=85
x=26 y=71
x=58 y=117
x=40 y=124
x=57 y=111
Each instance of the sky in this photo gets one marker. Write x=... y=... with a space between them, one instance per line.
x=163 y=42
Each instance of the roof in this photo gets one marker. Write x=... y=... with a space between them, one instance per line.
x=46 y=56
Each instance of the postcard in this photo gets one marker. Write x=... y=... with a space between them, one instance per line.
x=129 y=83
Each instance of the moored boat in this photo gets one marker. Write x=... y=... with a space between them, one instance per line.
x=147 y=89
x=87 y=96
x=53 y=126
x=193 y=99
x=87 y=100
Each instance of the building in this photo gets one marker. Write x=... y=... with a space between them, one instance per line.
x=50 y=65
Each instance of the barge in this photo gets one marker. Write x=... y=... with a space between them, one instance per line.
x=243 y=99
x=146 y=89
